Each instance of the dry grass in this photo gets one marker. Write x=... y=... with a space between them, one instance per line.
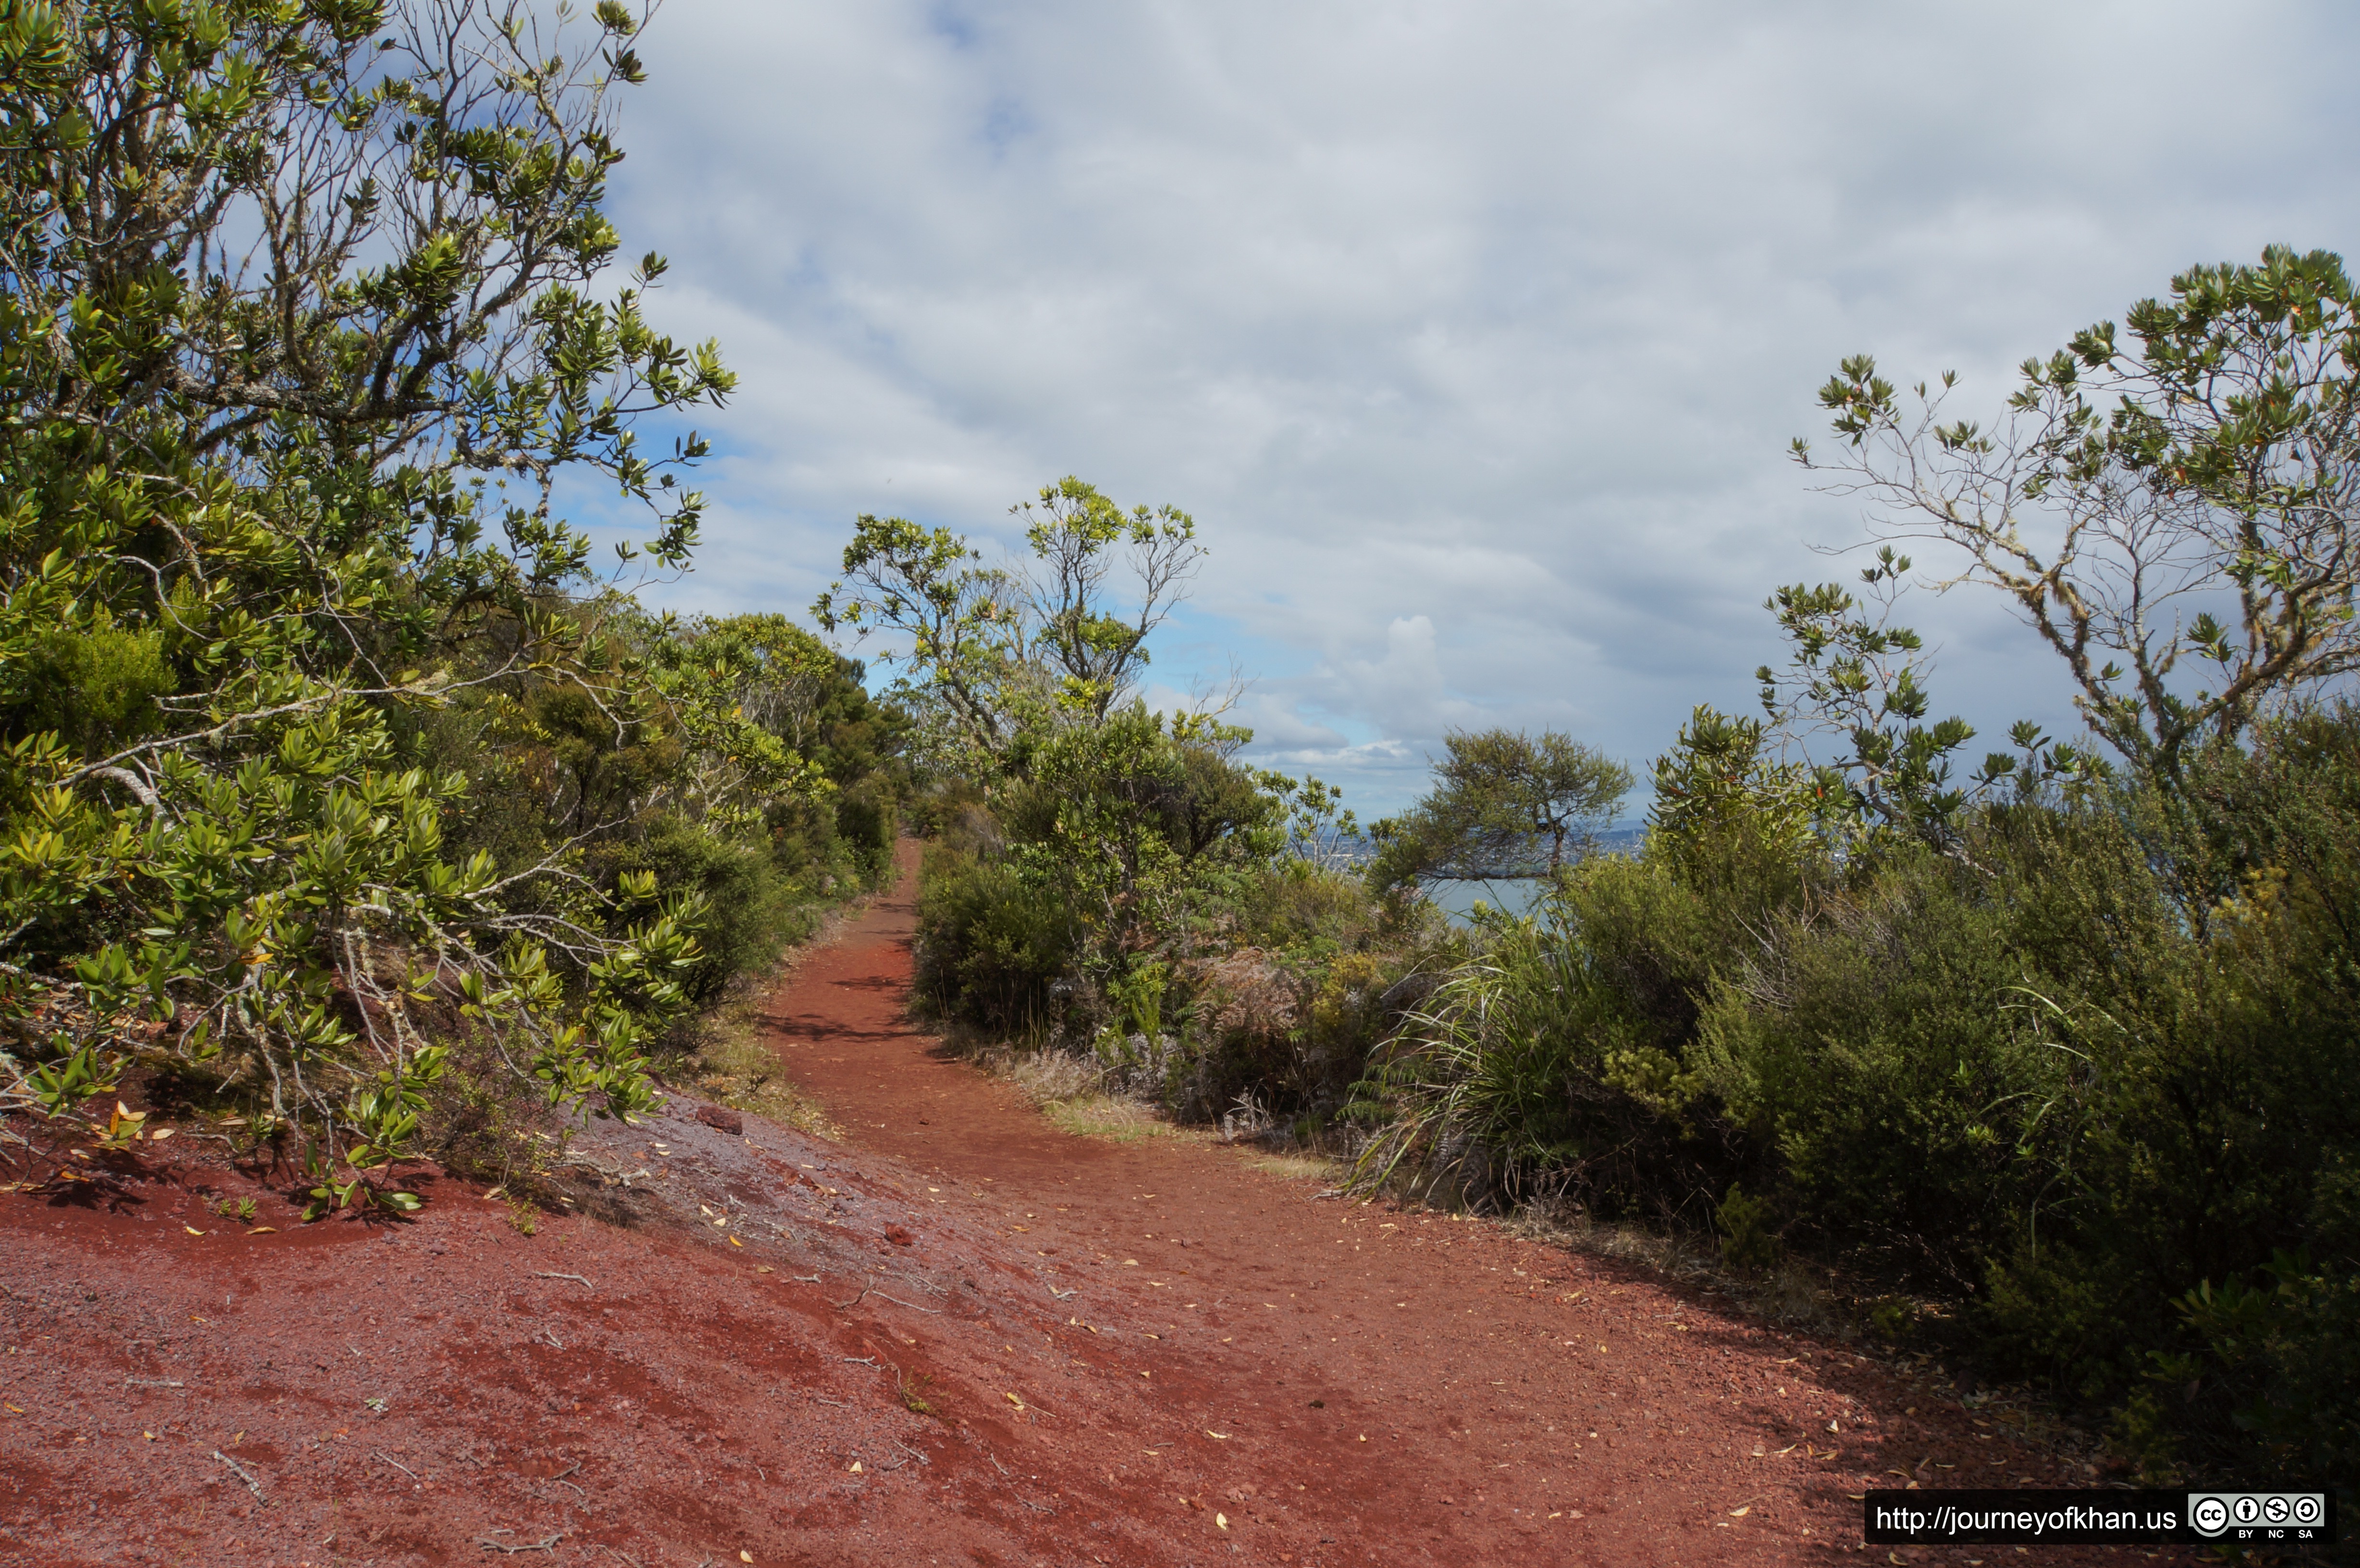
x=1107 y=1117
x=1047 y=1077
x=1072 y=1092
x=1300 y=1165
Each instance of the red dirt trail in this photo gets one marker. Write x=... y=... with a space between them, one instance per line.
x=960 y=1337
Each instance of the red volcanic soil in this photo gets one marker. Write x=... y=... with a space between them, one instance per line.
x=959 y=1337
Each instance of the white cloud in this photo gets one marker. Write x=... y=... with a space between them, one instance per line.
x=1472 y=334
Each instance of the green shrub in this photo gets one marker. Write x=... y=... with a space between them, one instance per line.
x=866 y=826
x=992 y=950
x=1749 y=1238
x=2089 y=1073
x=750 y=911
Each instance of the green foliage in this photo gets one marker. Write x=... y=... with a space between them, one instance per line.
x=1718 y=785
x=2129 y=489
x=1126 y=820
x=2268 y=1387
x=1748 y=1238
x=1861 y=678
x=321 y=752
x=2087 y=1058
x=1505 y=805
x=993 y=948
x=996 y=654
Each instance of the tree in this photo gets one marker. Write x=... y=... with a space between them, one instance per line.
x=289 y=291
x=1073 y=532
x=997 y=650
x=1504 y=804
x=2135 y=496
x=1860 y=676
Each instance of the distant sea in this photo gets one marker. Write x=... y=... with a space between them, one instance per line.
x=1518 y=894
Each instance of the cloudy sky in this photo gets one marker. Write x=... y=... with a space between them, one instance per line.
x=1471 y=332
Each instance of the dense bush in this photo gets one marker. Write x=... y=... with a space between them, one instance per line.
x=2087 y=1075
x=994 y=949
x=336 y=786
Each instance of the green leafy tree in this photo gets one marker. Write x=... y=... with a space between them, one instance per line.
x=2173 y=515
x=1722 y=775
x=996 y=652
x=1504 y=804
x=295 y=290
x=1858 y=675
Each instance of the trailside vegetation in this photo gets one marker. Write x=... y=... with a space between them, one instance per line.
x=2050 y=1052
x=1107 y=879
x=2058 y=1052
x=338 y=789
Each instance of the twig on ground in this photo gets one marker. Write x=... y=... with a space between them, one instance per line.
x=848 y=1306
x=1057 y=1294
x=545 y=1274
x=152 y=1383
x=863 y=1361
x=914 y=1454
x=548 y=1545
x=996 y=1464
x=1037 y=1507
x=396 y=1464
x=914 y=1306
x=804 y=1279
x=824 y=1400
x=614 y=1175
x=243 y=1474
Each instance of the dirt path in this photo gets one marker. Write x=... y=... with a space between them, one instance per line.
x=1418 y=1389
x=962 y=1338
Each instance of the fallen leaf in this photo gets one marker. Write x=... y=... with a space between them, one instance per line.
x=1013 y=1401
x=1741 y=1513
x=745 y=1557
x=735 y=1242
x=14 y=1408
x=764 y=1268
x=159 y=1135
x=1222 y=1435
x=1222 y=1521
x=192 y=1230
x=264 y=1230
x=856 y=1466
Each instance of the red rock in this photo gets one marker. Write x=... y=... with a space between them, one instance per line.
x=720 y=1120
x=899 y=1236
